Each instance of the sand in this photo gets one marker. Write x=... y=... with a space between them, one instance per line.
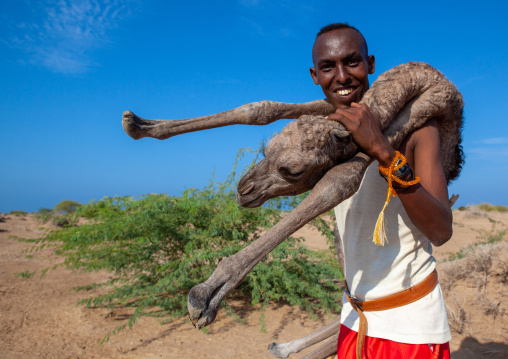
x=39 y=318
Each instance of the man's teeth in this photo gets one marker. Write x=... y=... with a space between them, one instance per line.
x=345 y=92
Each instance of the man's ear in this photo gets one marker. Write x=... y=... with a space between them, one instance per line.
x=313 y=74
x=371 y=61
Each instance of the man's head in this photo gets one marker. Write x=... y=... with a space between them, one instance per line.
x=341 y=64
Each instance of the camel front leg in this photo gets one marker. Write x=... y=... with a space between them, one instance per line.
x=338 y=184
x=284 y=350
x=326 y=350
x=338 y=247
x=256 y=113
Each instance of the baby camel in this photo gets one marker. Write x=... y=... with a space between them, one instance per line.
x=313 y=153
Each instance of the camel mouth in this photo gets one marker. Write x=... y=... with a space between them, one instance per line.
x=251 y=203
x=245 y=190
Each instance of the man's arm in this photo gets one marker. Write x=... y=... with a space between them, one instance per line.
x=426 y=203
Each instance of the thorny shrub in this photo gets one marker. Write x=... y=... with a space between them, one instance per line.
x=158 y=247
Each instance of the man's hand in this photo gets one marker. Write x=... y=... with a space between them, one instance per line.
x=365 y=126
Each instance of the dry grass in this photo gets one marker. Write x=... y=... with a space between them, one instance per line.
x=477 y=268
x=475 y=262
x=475 y=212
x=503 y=271
x=450 y=273
x=479 y=263
x=492 y=308
x=457 y=317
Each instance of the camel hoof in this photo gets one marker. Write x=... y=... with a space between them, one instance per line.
x=278 y=350
x=201 y=311
x=131 y=125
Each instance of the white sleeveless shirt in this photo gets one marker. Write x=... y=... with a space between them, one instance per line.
x=374 y=272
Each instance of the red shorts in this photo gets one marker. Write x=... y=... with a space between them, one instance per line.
x=377 y=348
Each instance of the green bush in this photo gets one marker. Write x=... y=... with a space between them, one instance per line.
x=487 y=207
x=66 y=206
x=61 y=217
x=18 y=212
x=44 y=214
x=158 y=247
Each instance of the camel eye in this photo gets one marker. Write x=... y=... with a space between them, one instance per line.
x=291 y=173
x=295 y=175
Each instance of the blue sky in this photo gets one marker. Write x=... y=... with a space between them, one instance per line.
x=70 y=68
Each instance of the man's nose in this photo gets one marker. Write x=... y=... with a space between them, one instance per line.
x=342 y=76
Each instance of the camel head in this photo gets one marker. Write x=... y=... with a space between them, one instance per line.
x=295 y=160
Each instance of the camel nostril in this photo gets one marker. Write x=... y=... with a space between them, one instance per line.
x=246 y=190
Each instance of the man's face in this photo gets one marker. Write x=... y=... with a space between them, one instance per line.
x=342 y=66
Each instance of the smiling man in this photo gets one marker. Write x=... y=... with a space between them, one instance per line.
x=392 y=288
x=342 y=65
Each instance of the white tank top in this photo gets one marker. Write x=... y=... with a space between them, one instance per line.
x=374 y=272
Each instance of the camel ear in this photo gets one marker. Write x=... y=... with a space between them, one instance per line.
x=340 y=136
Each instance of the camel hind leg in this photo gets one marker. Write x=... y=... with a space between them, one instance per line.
x=255 y=113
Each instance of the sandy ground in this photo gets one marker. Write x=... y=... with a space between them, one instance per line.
x=39 y=318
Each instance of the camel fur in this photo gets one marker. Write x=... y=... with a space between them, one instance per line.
x=313 y=153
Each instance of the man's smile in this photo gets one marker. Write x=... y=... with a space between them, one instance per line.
x=344 y=95
x=344 y=92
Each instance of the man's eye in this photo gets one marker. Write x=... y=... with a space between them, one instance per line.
x=354 y=62
x=326 y=67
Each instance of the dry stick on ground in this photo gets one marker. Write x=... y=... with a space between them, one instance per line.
x=457 y=318
x=312 y=153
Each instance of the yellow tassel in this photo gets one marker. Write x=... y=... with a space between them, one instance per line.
x=379 y=235
x=380 y=232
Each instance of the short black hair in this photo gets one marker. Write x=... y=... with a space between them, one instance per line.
x=339 y=26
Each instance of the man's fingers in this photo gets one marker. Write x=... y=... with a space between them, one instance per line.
x=362 y=108
x=344 y=119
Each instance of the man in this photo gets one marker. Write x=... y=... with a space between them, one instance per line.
x=418 y=216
